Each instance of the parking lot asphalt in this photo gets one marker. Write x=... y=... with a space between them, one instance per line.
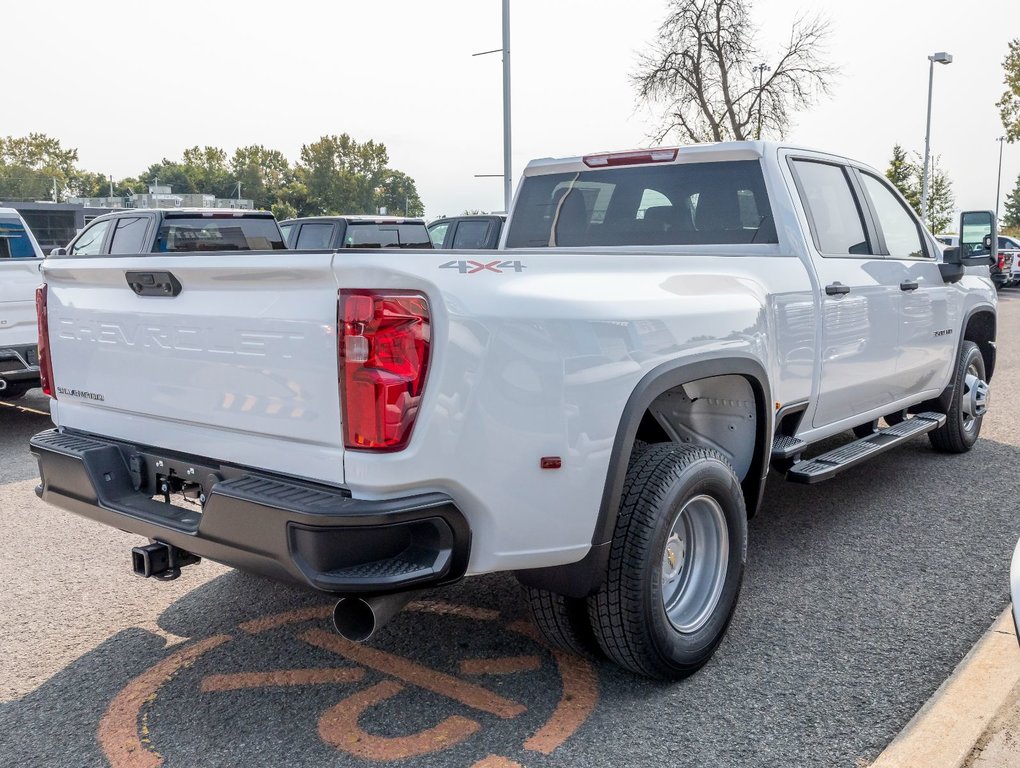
x=861 y=595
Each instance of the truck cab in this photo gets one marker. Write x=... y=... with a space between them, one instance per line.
x=20 y=258
x=178 y=230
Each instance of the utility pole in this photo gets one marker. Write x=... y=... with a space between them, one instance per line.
x=762 y=69
x=111 y=185
x=505 y=50
x=238 y=191
x=998 y=178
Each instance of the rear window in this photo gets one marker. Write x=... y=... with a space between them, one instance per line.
x=723 y=203
x=14 y=241
x=386 y=235
x=201 y=233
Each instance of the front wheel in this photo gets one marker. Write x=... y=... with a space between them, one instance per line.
x=676 y=562
x=967 y=406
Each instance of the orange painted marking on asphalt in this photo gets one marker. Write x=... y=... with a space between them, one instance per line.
x=468 y=694
x=508 y=665
x=339 y=727
x=580 y=695
x=495 y=761
x=24 y=408
x=451 y=609
x=281 y=677
x=289 y=617
x=118 y=730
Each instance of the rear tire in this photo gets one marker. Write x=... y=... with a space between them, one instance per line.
x=675 y=564
x=967 y=405
x=563 y=622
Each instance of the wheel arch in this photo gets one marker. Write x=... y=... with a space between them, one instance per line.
x=979 y=327
x=584 y=577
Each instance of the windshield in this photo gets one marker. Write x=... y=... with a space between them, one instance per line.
x=229 y=233
x=685 y=204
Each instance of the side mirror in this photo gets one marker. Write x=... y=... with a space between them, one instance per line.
x=58 y=252
x=978 y=238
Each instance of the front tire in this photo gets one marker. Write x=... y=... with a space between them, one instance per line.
x=676 y=562
x=967 y=406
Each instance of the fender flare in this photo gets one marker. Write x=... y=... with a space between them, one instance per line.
x=584 y=577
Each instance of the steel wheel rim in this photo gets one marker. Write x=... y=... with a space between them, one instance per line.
x=694 y=562
x=974 y=398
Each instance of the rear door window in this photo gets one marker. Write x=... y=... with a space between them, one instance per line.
x=129 y=235
x=315 y=236
x=288 y=233
x=90 y=242
x=835 y=216
x=183 y=234
x=721 y=203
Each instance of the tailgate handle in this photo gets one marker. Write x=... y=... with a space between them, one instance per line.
x=153 y=283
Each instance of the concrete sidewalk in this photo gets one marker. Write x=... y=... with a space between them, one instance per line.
x=973 y=719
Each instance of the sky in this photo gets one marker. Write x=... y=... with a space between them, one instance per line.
x=130 y=83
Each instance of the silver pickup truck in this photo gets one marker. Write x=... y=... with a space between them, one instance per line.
x=594 y=406
x=20 y=258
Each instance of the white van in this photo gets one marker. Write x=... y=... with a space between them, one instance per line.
x=20 y=258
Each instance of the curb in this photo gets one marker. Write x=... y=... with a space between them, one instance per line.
x=946 y=729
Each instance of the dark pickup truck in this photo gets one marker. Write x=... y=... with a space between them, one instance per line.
x=462 y=232
x=177 y=230
x=329 y=232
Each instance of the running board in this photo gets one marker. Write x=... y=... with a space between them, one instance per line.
x=832 y=463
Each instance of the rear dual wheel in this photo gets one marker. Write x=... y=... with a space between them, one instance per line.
x=675 y=568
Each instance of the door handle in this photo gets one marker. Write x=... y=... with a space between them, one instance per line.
x=908 y=285
x=837 y=289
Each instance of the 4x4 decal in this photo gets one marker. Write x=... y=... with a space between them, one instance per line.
x=474 y=267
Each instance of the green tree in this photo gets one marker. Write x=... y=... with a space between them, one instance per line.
x=903 y=175
x=200 y=170
x=341 y=175
x=263 y=174
x=32 y=166
x=941 y=200
x=1009 y=104
x=398 y=194
x=1011 y=210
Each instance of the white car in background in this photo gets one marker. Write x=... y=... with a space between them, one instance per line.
x=20 y=258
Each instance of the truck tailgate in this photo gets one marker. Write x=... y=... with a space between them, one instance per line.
x=240 y=366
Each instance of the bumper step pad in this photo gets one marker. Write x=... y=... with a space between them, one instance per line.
x=787 y=446
x=835 y=461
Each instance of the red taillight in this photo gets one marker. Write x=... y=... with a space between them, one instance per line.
x=45 y=364
x=383 y=345
x=1002 y=261
x=608 y=159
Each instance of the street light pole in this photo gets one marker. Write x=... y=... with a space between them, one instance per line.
x=998 y=177
x=507 y=185
x=942 y=58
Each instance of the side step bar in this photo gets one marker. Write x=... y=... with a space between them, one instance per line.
x=835 y=461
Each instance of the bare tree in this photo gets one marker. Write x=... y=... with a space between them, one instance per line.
x=709 y=80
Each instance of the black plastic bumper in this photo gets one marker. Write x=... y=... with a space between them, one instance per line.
x=19 y=363
x=277 y=527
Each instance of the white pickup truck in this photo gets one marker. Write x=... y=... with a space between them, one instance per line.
x=594 y=406
x=20 y=258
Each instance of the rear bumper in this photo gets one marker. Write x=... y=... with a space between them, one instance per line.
x=280 y=528
x=19 y=363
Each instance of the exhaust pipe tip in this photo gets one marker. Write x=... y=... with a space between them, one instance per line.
x=359 y=618
x=354 y=619
x=3 y=384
